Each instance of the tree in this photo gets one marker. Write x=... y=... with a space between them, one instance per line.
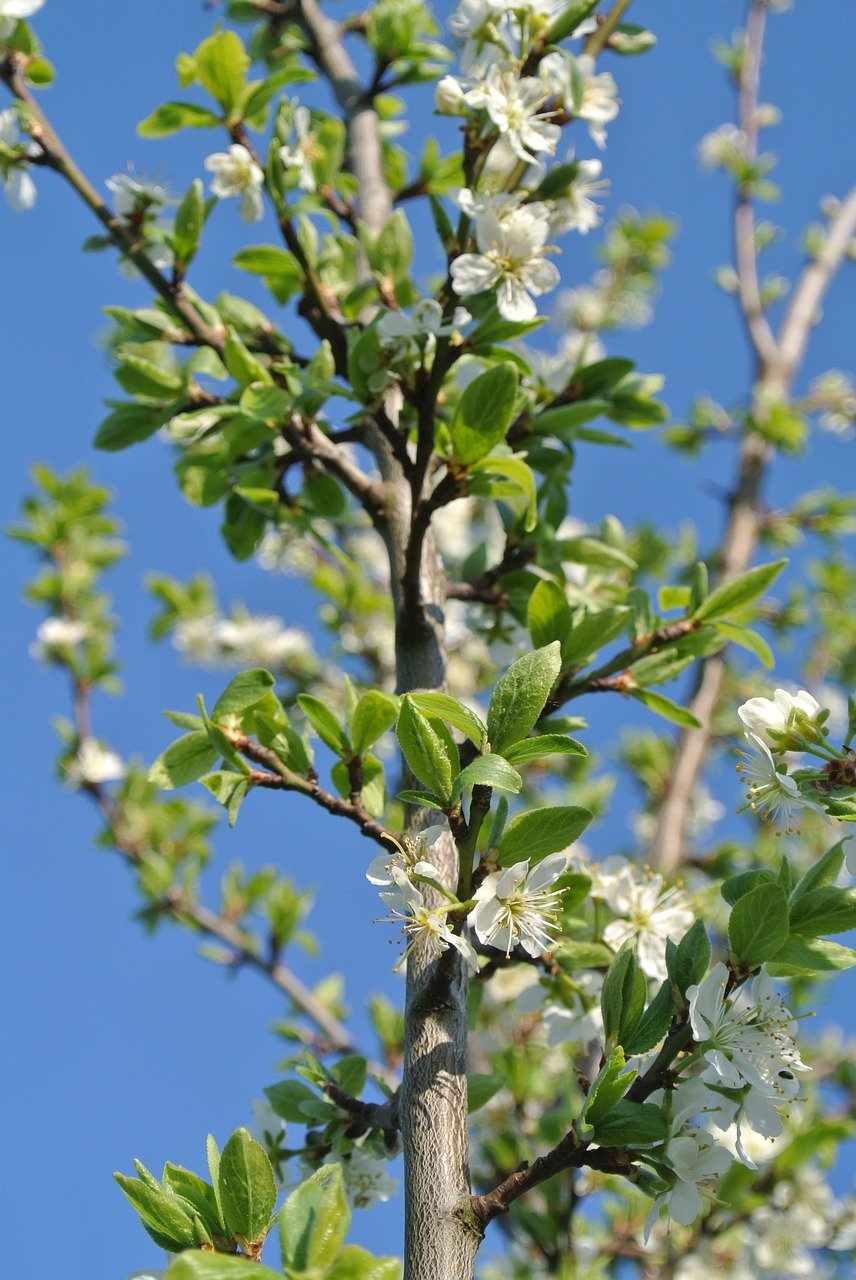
x=640 y=1061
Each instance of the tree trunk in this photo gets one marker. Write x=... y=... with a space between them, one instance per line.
x=433 y=1109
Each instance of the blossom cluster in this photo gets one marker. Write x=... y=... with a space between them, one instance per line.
x=774 y=728
x=252 y=640
x=515 y=107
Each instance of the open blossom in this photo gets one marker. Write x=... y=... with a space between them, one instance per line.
x=131 y=194
x=653 y=916
x=771 y=792
x=408 y=332
x=511 y=240
x=424 y=929
x=57 y=634
x=577 y=210
x=599 y=103
x=18 y=187
x=748 y=1038
x=94 y=764
x=11 y=11
x=237 y=174
x=723 y=148
x=517 y=907
x=515 y=106
x=303 y=150
x=783 y=710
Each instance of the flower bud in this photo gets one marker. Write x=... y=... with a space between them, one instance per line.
x=449 y=97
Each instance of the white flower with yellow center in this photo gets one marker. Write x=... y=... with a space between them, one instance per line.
x=511 y=239
x=779 y=713
x=516 y=108
x=771 y=792
x=237 y=174
x=94 y=764
x=424 y=929
x=517 y=907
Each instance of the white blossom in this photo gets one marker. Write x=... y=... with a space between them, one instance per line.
x=580 y=1022
x=255 y=640
x=13 y=10
x=93 y=764
x=779 y=713
x=599 y=105
x=18 y=187
x=131 y=193
x=653 y=915
x=237 y=174
x=771 y=792
x=747 y=1038
x=303 y=151
x=516 y=907
x=511 y=240
x=723 y=148
x=407 y=332
x=515 y=106
x=424 y=929
x=56 y=634
x=449 y=97
x=577 y=210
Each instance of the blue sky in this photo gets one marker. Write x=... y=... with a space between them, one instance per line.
x=120 y=1045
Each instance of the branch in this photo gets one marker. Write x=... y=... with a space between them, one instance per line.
x=569 y=1153
x=330 y=55
x=57 y=158
x=803 y=311
x=598 y=39
x=303 y=433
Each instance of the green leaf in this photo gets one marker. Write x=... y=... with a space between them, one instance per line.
x=736 y=886
x=488 y=771
x=221 y=68
x=594 y=552
x=825 y=871
x=128 y=424
x=375 y=714
x=750 y=640
x=484 y=414
x=279 y=269
x=229 y=789
x=664 y=707
x=480 y=1090
x=622 y=997
x=758 y=924
x=453 y=712
x=810 y=955
x=247 y=1186
x=189 y=221
x=547 y=744
x=600 y=377
x=264 y=402
x=172 y=116
x=184 y=760
x=194 y=1265
x=424 y=798
x=198 y=1193
x=593 y=632
x=425 y=750
x=350 y=1073
x=734 y=595
x=654 y=1024
x=159 y=1210
x=821 y=911
x=540 y=832
x=565 y=420
x=314 y=1221
x=354 y=1263
x=213 y=1154
x=632 y=1124
x=608 y=1087
x=693 y=957
x=518 y=480
x=519 y=696
x=245 y=690
x=241 y=363
x=549 y=615
x=287 y=1098
x=569 y=19
x=323 y=722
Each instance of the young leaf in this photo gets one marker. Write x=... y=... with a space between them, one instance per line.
x=693 y=957
x=821 y=911
x=323 y=722
x=664 y=707
x=549 y=614
x=488 y=771
x=637 y=1124
x=758 y=925
x=314 y=1221
x=735 y=594
x=453 y=712
x=185 y=760
x=172 y=116
x=247 y=1187
x=244 y=691
x=375 y=713
x=484 y=414
x=540 y=832
x=547 y=744
x=654 y=1024
x=425 y=750
x=194 y=1265
x=519 y=696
